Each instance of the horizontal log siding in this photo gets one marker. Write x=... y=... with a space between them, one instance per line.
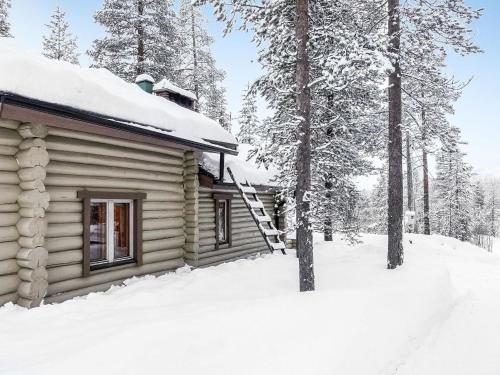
x=79 y=161
x=246 y=238
x=9 y=211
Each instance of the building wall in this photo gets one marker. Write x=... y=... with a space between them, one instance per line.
x=41 y=219
x=9 y=211
x=82 y=161
x=246 y=238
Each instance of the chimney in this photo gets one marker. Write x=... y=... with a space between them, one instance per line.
x=169 y=91
x=145 y=82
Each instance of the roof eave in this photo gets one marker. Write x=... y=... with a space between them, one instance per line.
x=7 y=98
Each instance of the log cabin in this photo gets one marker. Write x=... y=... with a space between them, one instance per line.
x=102 y=180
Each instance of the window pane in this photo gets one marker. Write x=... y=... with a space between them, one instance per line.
x=221 y=212
x=122 y=230
x=98 y=231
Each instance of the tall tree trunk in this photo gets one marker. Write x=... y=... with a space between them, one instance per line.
x=140 y=39
x=493 y=231
x=409 y=173
x=195 y=60
x=427 y=224
x=409 y=181
x=304 y=232
x=328 y=225
x=395 y=146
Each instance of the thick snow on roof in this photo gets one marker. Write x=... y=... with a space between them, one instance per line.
x=243 y=168
x=144 y=77
x=165 y=84
x=99 y=91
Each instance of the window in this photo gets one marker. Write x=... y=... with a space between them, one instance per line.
x=112 y=229
x=222 y=219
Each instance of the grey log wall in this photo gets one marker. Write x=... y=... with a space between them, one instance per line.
x=82 y=161
x=41 y=230
x=9 y=211
x=246 y=238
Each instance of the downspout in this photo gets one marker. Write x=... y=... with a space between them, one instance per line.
x=2 y=98
x=221 y=167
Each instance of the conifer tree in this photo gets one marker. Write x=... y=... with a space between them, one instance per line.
x=4 y=22
x=249 y=123
x=140 y=37
x=60 y=44
x=345 y=75
x=215 y=107
x=454 y=193
x=198 y=71
x=416 y=26
x=395 y=146
x=492 y=206
x=378 y=203
x=479 y=210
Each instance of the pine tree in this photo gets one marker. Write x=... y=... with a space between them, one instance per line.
x=249 y=123
x=215 y=107
x=426 y=26
x=395 y=146
x=491 y=208
x=198 y=71
x=4 y=23
x=141 y=37
x=345 y=75
x=378 y=203
x=60 y=44
x=479 y=210
x=454 y=193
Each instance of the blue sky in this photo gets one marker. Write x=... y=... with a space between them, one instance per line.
x=477 y=112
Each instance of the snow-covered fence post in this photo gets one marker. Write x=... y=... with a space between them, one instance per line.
x=33 y=200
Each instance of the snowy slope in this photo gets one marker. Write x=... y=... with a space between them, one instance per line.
x=243 y=167
x=99 y=91
x=438 y=314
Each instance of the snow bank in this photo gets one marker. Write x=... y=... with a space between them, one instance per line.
x=99 y=91
x=243 y=167
x=247 y=317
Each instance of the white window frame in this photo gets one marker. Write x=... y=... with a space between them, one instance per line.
x=110 y=238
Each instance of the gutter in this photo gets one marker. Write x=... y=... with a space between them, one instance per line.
x=115 y=123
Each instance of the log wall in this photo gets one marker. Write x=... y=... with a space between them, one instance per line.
x=246 y=238
x=9 y=211
x=82 y=161
x=41 y=219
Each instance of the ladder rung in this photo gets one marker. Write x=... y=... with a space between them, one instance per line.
x=278 y=246
x=256 y=204
x=264 y=219
x=271 y=232
x=248 y=190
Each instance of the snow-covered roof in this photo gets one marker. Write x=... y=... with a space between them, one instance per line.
x=242 y=168
x=166 y=85
x=98 y=91
x=144 y=77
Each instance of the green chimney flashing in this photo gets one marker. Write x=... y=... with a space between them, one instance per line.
x=145 y=82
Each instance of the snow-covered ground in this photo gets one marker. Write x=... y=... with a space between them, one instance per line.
x=438 y=314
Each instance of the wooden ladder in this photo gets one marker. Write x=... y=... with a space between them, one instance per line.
x=261 y=218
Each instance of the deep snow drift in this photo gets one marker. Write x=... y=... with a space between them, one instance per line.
x=438 y=314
